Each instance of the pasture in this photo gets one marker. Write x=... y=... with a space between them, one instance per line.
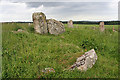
x=25 y=54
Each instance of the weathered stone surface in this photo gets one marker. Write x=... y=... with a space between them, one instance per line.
x=29 y=24
x=70 y=23
x=55 y=27
x=102 y=26
x=85 y=61
x=114 y=29
x=48 y=70
x=43 y=26
x=40 y=24
x=19 y=30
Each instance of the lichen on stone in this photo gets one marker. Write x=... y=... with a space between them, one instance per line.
x=40 y=24
x=70 y=23
x=43 y=25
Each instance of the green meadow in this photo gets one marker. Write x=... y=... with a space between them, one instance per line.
x=25 y=54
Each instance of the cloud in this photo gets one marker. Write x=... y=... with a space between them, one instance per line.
x=46 y=4
x=15 y=12
x=22 y=11
x=74 y=8
x=62 y=0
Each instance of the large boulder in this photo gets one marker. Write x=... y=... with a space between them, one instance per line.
x=55 y=27
x=40 y=24
x=43 y=26
x=70 y=23
x=85 y=61
x=102 y=26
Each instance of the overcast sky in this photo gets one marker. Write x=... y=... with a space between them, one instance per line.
x=77 y=10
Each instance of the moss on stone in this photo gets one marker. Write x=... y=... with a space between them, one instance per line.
x=39 y=13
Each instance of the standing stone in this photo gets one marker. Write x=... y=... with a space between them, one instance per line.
x=114 y=29
x=55 y=27
x=85 y=61
x=102 y=26
x=40 y=24
x=29 y=24
x=70 y=23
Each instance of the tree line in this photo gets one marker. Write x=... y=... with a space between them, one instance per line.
x=81 y=22
x=94 y=22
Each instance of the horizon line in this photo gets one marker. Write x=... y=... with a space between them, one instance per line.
x=63 y=21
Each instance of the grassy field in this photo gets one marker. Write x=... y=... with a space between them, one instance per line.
x=25 y=54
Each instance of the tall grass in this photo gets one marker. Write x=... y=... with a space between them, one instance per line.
x=25 y=54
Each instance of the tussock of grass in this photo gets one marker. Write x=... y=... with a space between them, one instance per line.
x=26 y=54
